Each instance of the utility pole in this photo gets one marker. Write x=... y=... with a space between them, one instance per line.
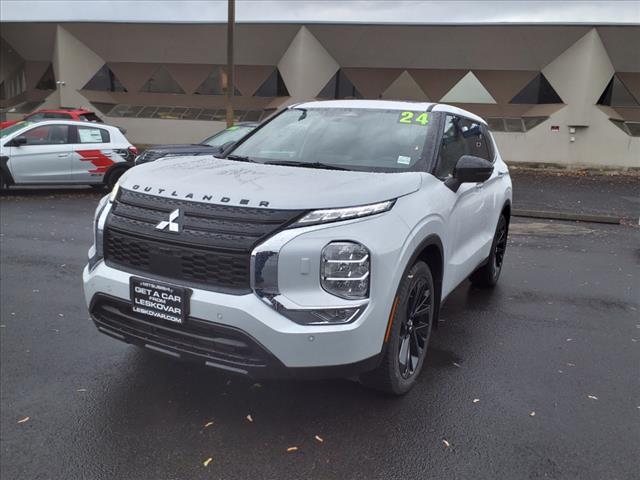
x=231 y=20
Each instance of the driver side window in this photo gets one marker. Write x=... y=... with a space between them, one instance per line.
x=47 y=135
x=451 y=149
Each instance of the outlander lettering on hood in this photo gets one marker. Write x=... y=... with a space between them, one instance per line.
x=203 y=197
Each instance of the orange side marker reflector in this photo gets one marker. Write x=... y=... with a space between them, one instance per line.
x=393 y=314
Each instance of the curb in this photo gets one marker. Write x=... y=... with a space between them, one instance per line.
x=576 y=217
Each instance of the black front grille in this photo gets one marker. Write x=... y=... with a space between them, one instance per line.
x=195 y=339
x=212 y=250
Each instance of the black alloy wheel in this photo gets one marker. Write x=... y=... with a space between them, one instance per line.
x=414 y=330
x=405 y=345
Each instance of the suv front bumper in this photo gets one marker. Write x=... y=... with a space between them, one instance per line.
x=236 y=333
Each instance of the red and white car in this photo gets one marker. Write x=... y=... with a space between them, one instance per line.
x=53 y=152
x=78 y=114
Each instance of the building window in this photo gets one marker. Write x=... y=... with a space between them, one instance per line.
x=514 y=124
x=215 y=83
x=104 y=81
x=339 y=87
x=182 y=113
x=47 y=81
x=616 y=94
x=273 y=86
x=161 y=82
x=630 y=128
x=538 y=91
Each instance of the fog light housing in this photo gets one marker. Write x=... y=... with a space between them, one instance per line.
x=345 y=270
x=328 y=316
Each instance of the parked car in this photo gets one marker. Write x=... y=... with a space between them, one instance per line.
x=209 y=146
x=323 y=244
x=78 y=114
x=63 y=152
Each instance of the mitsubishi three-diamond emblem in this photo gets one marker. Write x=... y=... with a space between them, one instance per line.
x=172 y=223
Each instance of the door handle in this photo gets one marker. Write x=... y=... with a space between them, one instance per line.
x=62 y=155
x=502 y=174
x=109 y=154
x=479 y=186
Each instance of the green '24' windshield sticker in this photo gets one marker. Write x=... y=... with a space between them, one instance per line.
x=413 y=118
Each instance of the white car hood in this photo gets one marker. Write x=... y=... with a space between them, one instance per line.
x=212 y=180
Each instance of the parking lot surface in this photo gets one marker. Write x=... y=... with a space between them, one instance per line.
x=537 y=379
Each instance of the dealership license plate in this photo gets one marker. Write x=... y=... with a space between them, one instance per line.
x=159 y=300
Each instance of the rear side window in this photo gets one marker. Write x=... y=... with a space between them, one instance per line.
x=93 y=135
x=47 y=135
x=90 y=117
x=452 y=147
x=475 y=139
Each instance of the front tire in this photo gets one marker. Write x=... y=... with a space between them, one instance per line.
x=487 y=276
x=409 y=334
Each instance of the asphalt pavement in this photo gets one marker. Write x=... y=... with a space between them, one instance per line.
x=539 y=378
x=577 y=194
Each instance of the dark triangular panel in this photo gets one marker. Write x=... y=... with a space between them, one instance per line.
x=339 y=87
x=538 y=91
x=161 y=82
x=105 y=81
x=214 y=84
x=3 y=91
x=273 y=86
x=616 y=94
x=47 y=81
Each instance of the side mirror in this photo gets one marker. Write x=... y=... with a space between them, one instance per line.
x=18 y=141
x=470 y=169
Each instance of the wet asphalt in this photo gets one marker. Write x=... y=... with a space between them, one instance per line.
x=539 y=378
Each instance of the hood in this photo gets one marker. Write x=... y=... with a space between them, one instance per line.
x=213 y=180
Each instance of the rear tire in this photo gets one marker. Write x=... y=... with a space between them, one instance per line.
x=487 y=276
x=3 y=183
x=112 y=178
x=406 y=347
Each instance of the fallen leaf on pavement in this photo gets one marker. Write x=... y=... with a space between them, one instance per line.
x=592 y=397
x=446 y=444
x=256 y=385
x=456 y=364
x=319 y=438
x=207 y=462
x=249 y=418
x=207 y=425
x=292 y=449
x=532 y=414
x=22 y=420
x=81 y=390
x=476 y=400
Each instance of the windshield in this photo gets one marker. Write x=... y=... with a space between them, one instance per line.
x=13 y=128
x=231 y=134
x=355 y=139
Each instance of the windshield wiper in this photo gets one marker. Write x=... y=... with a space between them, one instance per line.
x=293 y=163
x=240 y=158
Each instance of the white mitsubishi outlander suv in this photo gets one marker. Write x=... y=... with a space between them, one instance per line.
x=322 y=244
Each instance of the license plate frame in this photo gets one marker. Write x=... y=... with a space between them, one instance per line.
x=159 y=300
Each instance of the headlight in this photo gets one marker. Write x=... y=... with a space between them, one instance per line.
x=337 y=214
x=345 y=270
